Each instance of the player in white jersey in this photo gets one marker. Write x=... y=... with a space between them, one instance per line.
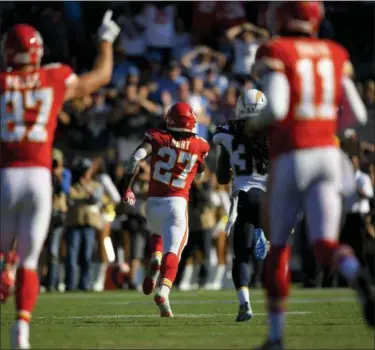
x=245 y=159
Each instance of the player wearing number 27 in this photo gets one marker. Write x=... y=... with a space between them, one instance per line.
x=31 y=96
x=177 y=155
x=305 y=80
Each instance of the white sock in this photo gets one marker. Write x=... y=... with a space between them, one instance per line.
x=349 y=268
x=164 y=291
x=243 y=295
x=276 y=325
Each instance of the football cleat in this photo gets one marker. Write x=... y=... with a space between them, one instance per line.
x=7 y=276
x=367 y=297
x=150 y=279
x=260 y=244
x=163 y=305
x=19 y=337
x=244 y=313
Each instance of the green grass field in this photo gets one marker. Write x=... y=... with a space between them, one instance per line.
x=317 y=319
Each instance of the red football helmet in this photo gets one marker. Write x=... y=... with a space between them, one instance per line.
x=181 y=117
x=295 y=16
x=21 y=45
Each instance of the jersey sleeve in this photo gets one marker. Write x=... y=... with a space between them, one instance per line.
x=62 y=72
x=269 y=56
x=153 y=137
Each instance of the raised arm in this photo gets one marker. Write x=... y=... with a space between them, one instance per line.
x=101 y=73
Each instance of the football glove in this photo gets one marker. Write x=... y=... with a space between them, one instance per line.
x=109 y=30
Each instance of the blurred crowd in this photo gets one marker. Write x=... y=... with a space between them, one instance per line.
x=199 y=52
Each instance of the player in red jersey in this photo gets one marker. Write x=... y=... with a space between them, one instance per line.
x=31 y=96
x=305 y=80
x=177 y=155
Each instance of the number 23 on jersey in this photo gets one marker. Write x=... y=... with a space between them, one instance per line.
x=16 y=107
x=164 y=171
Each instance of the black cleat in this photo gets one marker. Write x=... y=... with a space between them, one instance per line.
x=367 y=297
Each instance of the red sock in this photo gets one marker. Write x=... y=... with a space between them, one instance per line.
x=168 y=269
x=27 y=290
x=156 y=244
x=277 y=277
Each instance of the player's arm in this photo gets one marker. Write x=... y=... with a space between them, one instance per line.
x=275 y=86
x=353 y=109
x=223 y=169
x=132 y=169
x=101 y=73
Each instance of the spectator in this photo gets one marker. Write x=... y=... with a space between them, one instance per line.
x=111 y=198
x=61 y=180
x=369 y=94
x=136 y=225
x=246 y=39
x=158 y=20
x=358 y=210
x=201 y=223
x=183 y=41
x=83 y=220
x=201 y=59
x=132 y=41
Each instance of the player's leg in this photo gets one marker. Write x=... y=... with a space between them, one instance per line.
x=283 y=202
x=323 y=207
x=8 y=229
x=154 y=214
x=33 y=228
x=260 y=247
x=175 y=235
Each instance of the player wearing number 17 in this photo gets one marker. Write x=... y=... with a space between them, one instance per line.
x=177 y=155
x=31 y=96
x=305 y=80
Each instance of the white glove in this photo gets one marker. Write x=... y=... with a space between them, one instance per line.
x=109 y=30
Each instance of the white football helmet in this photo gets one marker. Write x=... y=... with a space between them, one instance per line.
x=249 y=104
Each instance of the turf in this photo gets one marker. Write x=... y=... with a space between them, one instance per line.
x=318 y=319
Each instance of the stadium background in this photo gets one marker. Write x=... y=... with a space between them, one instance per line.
x=199 y=62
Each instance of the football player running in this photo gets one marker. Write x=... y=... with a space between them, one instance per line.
x=177 y=155
x=31 y=96
x=246 y=159
x=305 y=79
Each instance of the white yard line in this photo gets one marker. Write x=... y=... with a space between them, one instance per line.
x=233 y=301
x=157 y=316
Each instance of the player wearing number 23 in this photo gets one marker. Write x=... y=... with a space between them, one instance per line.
x=305 y=80
x=31 y=96
x=177 y=155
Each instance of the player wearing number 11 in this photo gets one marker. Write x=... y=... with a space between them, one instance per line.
x=177 y=155
x=31 y=96
x=305 y=80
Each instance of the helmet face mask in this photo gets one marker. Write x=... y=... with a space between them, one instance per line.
x=22 y=45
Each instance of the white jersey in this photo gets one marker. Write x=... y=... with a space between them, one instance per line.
x=245 y=175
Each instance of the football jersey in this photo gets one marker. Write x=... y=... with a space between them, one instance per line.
x=29 y=106
x=314 y=69
x=248 y=159
x=174 y=163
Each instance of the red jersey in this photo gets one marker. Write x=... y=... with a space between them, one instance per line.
x=30 y=103
x=174 y=163
x=314 y=69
